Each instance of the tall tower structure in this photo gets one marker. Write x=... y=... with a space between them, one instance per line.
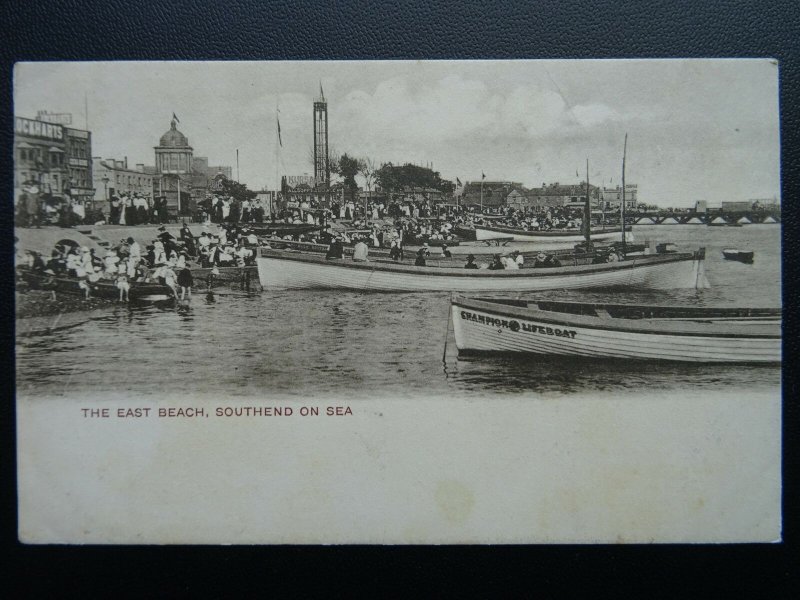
x=173 y=172
x=322 y=169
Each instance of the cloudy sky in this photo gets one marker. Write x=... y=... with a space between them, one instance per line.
x=700 y=129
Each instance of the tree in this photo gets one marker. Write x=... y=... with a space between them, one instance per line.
x=347 y=168
x=390 y=177
x=236 y=190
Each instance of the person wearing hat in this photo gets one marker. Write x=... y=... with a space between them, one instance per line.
x=497 y=264
x=470 y=262
x=518 y=258
x=335 y=250
x=420 y=260
x=445 y=252
x=360 y=251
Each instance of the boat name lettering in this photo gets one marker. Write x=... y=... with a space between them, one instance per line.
x=516 y=325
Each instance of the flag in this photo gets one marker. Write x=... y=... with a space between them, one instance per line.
x=483 y=175
x=174 y=116
x=321 y=93
x=576 y=173
x=458 y=182
x=279 y=132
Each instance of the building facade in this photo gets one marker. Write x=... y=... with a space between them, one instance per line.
x=40 y=157
x=78 y=150
x=113 y=177
x=554 y=195
x=611 y=198
x=204 y=175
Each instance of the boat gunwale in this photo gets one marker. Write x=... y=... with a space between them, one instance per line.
x=688 y=327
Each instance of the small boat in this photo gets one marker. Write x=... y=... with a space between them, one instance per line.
x=281 y=229
x=561 y=237
x=104 y=288
x=618 y=331
x=287 y=269
x=738 y=255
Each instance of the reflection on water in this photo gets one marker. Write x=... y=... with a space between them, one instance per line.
x=349 y=344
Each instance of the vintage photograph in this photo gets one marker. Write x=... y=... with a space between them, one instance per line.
x=398 y=302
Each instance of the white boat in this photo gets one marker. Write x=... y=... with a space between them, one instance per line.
x=703 y=335
x=548 y=239
x=286 y=269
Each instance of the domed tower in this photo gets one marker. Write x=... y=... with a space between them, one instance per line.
x=173 y=153
x=174 y=169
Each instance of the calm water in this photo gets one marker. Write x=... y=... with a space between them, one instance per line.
x=312 y=343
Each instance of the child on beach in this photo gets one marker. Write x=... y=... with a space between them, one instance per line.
x=123 y=285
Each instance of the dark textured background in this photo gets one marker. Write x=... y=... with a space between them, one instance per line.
x=235 y=29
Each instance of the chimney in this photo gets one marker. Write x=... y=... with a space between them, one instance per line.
x=126 y=162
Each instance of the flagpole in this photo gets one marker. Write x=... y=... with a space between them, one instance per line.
x=481 y=192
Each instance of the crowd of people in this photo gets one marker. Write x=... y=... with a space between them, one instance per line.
x=167 y=260
x=537 y=219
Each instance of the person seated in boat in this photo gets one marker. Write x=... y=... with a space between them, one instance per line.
x=91 y=277
x=518 y=258
x=180 y=263
x=445 y=252
x=142 y=273
x=394 y=251
x=509 y=263
x=420 y=260
x=497 y=264
x=187 y=238
x=227 y=257
x=335 y=250
x=171 y=280
x=470 y=262
x=244 y=256
x=159 y=272
x=35 y=261
x=360 y=251
x=123 y=286
x=546 y=260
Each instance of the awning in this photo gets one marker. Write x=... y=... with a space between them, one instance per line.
x=25 y=145
x=54 y=149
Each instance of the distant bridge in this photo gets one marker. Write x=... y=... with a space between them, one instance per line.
x=711 y=217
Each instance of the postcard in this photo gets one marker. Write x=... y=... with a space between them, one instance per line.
x=398 y=302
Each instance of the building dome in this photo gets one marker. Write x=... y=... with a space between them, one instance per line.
x=173 y=138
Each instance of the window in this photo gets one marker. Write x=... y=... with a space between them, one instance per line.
x=23 y=154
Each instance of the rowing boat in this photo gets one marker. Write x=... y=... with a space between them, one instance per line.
x=738 y=255
x=142 y=291
x=287 y=269
x=552 y=237
x=619 y=331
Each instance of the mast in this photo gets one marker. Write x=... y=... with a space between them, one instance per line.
x=274 y=202
x=587 y=212
x=622 y=206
